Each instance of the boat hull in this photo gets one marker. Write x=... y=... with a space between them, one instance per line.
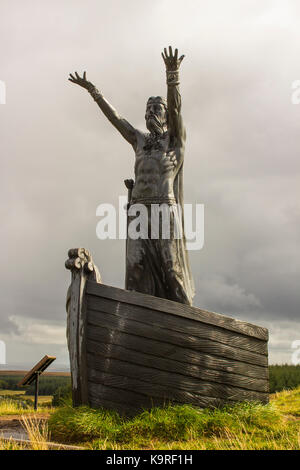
x=134 y=351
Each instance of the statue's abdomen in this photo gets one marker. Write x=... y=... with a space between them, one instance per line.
x=154 y=176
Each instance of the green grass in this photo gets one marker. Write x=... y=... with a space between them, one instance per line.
x=14 y=407
x=19 y=396
x=44 y=400
x=9 y=406
x=4 y=393
x=288 y=402
x=241 y=426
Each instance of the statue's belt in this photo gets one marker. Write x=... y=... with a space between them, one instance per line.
x=154 y=200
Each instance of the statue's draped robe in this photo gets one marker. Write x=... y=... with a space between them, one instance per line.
x=160 y=267
x=188 y=281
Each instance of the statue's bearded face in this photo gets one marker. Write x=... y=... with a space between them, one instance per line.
x=156 y=117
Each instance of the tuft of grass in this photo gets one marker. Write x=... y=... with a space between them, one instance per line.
x=38 y=436
x=79 y=424
x=38 y=433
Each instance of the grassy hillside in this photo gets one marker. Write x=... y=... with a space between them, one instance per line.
x=242 y=426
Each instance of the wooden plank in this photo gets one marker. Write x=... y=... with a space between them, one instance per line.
x=176 y=353
x=179 y=339
x=127 y=397
x=81 y=265
x=176 y=381
x=97 y=401
x=74 y=307
x=171 y=396
x=176 y=308
x=176 y=323
x=110 y=351
x=76 y=329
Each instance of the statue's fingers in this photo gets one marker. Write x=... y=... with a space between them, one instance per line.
x=170 y=51
x=181 y=58
x=71 y=80
x=165 y=51
x=163 y=57
x=84 y=75
x=176 y=54
x=77 y=76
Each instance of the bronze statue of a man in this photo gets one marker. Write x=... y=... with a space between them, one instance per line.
x=156 y=265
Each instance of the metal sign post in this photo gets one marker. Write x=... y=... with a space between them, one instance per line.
x=36 y=394
x=34 y=376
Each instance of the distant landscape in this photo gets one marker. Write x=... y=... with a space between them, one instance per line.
x=56 y=384
x=53 y=385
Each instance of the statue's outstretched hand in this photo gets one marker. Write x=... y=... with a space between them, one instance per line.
x=80 y=81
x=171 y=61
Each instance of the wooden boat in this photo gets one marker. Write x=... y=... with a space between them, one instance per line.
x=131 y=351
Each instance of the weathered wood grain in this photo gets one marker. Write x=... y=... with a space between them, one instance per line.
x=176 y=323
x=202 y=345
x=110 y=351
x=160 y=396
x=96 y=400
x=158 y=349
x=176 y=308
x=82 y=268
x=76 y=337
x=127 y=396
x=174 y=380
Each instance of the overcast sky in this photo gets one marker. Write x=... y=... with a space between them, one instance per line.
x=60 y=158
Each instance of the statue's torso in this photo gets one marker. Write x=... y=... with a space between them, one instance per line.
x=155 y=170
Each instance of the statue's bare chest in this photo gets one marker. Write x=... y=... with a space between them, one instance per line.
x=155 y=164
x=155 y=158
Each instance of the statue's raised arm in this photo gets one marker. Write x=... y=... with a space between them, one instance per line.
x=175 y=125
x=123 y=126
